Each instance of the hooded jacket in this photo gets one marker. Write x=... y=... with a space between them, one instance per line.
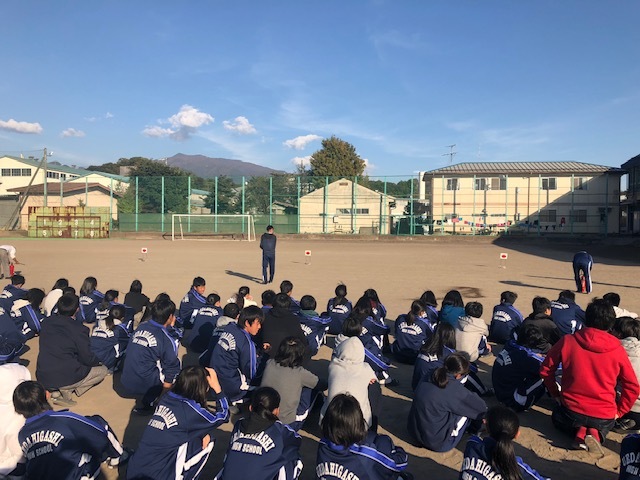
x=632 y=347
x=11 y=375
x=547 y=326
x=470 y=333
x=593 y=363
x=349 y=373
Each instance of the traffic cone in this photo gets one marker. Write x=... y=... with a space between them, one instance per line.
x=583 y=283
x=12 y=269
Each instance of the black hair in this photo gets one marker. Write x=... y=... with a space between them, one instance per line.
x=503 y=425
x=213 y=298
x=68 y=291
x=60 y=284
x=17 y=280
x=268 y=297
x=599 y=314
x=453 y=298
x=269 y=227
x=540 y=305
x=352 y=326
x=109 y=296
x=428 y=299
x=530 y=336
x=282 y=300
x=307 y=302
x=35 y=297
x=198 y=282
x=162 y=309
x=136 y=286
x=250 y=315
x=362 y=308
x=244 y=291
x=455 y=364
x=68 y=305
x=290 y=353
x=443 y=336
x=30 y=399
x=625 y=327
x=417 y=307
x=116 y=312
x=192 y=383
x=231 y=310
x=567 y=295
x=286 y=287
x=89 y=285
x=264 y=401
x=372 y=295
x=508 y=297
x=612 y=299
x=473 y=309
x=341 y=295
x=343 y=423
x=148 y=314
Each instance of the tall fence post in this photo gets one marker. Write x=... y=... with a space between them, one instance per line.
x=270 y=200
x=506 y=203
x=354 y=210
x=243 y=200
x=606 y=206
x=136 y=203
x=473 y=227
x=442 y=206
x=162 y=207
x=189 y=202
x=110 y=205
x=385 y=206
x=298 y=201
x=86 y=191
x=215 y=206
x=412 y=227
x=539 y=192
x=325 y=206
x=571 y=212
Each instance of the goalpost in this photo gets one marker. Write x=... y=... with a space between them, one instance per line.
x=186 y=226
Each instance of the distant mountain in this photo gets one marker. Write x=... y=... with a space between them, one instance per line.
x=208 y=167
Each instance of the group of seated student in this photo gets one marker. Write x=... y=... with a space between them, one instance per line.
x=256 y=362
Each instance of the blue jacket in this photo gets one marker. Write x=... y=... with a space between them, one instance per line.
x=432 y=314
x=375 y=330
x=189 y=307
x=373 y=354
x=203 y=326
x=28 y=320
x=315 y=328
x=376 y=458
x=129 y=313
x=110 y=345
x=65 y=445
x=235 y=360
x=477 y=462
x=515 y=371
x=410 y=338
x=567 y=315
x=506 y=318
x=450 y=314
x=438 y=415
x=9 y=295
x=630 y=457
x=338 y=314
x=582 y=259
x=88 y=304
x=10 y=331
x=261 y=449
x=171 y=445
x=426 y=364
x=152 y=358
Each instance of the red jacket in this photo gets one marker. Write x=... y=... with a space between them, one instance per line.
x=593 y=363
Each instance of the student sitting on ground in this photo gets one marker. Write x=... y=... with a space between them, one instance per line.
x=54 y=295
x=286 y=287
x=29 y=318
x=12 y=292
x=109 y=342
x=472 y=331
x=630 y=457
x=136 y=300
x=203 y=325
x=267 y=298
x=412 y=330
x=627 y=329
x=313 y=325
x=193 y=300
x=90 y=297
x=339 y=308
x=452 y=308
x=505 y=319
x=433 y=352
x=281 y=322
x=614 y=300
x=230 y=314
x=566 y=313
x=541 y=316
x=428 y=299
x=110 y=299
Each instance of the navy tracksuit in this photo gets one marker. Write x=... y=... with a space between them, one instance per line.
x=268 y=245
x=9 y=295
x=376 y=458
x=66 y=445
x=375 y=329
x=109 y=346
x=315 y=328
x=128 y=314
x=261 y=449
x=630 y=458
x=567 y=315
x=373 y=356
x=88 y=304
x=203 y=326
x=505 y=319
x=28 y=320
x=171 y=445
x=339 y=314
x=10 y=331
x=189 y=306
x=410 y=338
x=582 y=262
x=477 y=463
x=426 y=364
x=516 y=376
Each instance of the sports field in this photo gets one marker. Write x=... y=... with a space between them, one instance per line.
x=400 y=271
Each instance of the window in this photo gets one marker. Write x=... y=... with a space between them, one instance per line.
x=452 y=184
x=579 y=183
x=53 y=174
x=63 y=176
x=26 y=172
x=480 y=184
x=16 y=172
x=579 y=216
x=549 y=183
x=499 y=183
x=6 y=172
x=548 y=216
x=347 y=211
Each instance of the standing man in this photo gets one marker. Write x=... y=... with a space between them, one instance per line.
x=7 y=258
x=582 y=262
x=268 y=246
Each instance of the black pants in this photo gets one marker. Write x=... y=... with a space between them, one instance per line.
x=568 y=421
x=268 y=260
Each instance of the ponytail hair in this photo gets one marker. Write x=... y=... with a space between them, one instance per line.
x=109 y=296
x=341 y=295
x=115 y=313
x=503 y=425
x=455 y=364
x=416 y=309
x=443 y=336
x=264 y=401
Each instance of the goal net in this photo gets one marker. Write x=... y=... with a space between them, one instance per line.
x=232 y=227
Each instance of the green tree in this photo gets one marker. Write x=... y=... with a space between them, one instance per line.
x=336 y=158
x=227 y=196
x=284 y=190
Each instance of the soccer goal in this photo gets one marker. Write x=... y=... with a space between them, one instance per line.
x=234 y=227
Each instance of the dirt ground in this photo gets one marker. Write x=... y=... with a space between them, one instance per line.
x=399 y=271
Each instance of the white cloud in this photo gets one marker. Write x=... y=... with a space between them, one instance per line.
x=301 y=142
x=107 y=116
x=240 y=125
x=183 y=124
x=20 y=127
x=368 y=166
x=301 y=161
x=72 y=132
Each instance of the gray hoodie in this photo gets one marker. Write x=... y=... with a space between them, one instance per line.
x=349 y=373
x=469 y=334
x=632 y=347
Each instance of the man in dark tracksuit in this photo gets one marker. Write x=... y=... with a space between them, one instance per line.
x=582 y=262
x=268 y=246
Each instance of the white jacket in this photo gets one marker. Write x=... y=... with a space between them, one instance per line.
x=632 y=347
x=11 y=375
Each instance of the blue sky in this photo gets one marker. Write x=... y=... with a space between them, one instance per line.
x=265 y=81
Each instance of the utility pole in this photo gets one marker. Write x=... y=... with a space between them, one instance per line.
x=44 y=161
x=451 y=153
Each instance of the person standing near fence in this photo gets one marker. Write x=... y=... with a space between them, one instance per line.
x=582 y=263
x=7 y=258
x=268 y=246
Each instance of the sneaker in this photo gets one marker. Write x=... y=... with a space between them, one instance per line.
x=390 y=382
x=579 y=444
x=593 y=444
x=143 y=410
x=63 y=402
x=121 y=460
x=625 y=426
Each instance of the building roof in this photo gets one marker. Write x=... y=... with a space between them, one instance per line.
x=523 y=168
x=68 y=188
x=632 y=162
x=80 y=172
